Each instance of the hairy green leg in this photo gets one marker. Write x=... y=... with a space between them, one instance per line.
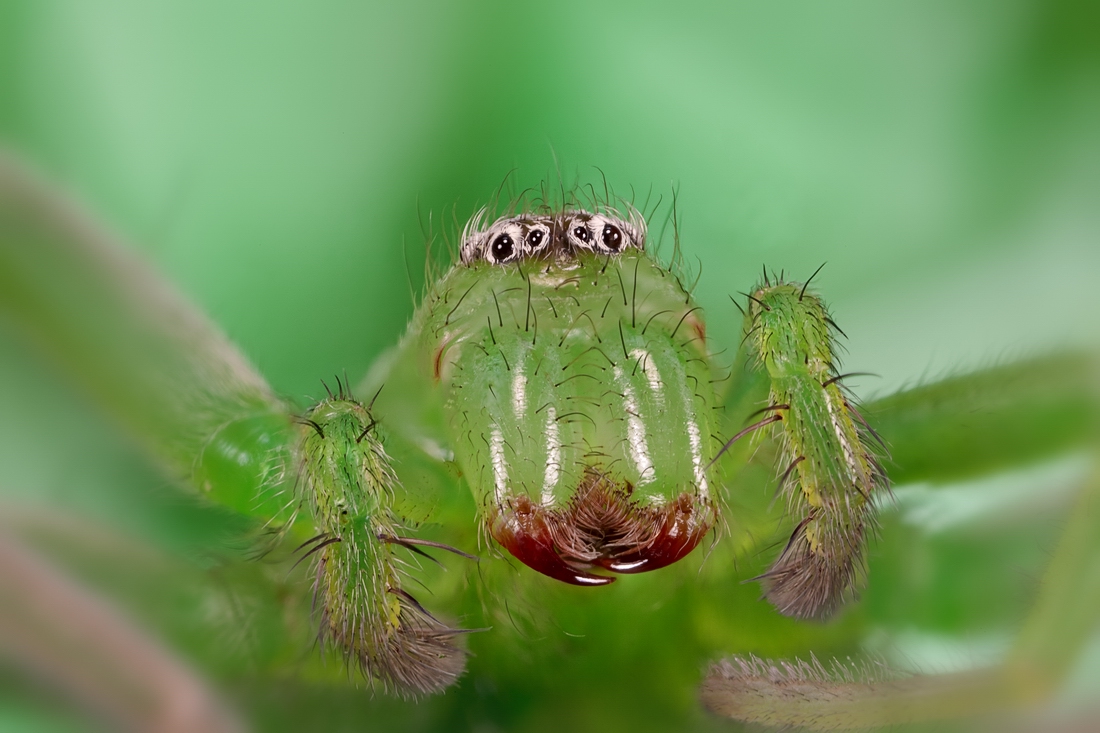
x=350 y=485
x=830 y=474
x=997 y=418
x=213 y=423
x=151 y=359
x=1011 y=414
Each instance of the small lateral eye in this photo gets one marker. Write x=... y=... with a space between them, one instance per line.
x=535 y=237
x=503 y=247
x=581 y=233
x=612 y=237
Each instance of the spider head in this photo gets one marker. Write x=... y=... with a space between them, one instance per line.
x=577 y=395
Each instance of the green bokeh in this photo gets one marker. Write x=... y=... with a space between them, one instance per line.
x=942 y=158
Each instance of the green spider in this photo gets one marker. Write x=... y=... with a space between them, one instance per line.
x=558 y=381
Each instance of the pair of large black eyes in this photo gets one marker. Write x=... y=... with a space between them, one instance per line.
x=503 y=246
x=611 y=236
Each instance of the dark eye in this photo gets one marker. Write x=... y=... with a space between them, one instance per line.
x=581 y=233
x=612 y=237
x=502 y=248
x=535 y=237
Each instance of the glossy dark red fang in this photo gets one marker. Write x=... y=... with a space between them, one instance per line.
x=601 y=528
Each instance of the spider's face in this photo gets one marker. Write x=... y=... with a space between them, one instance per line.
x=564 y=235
x=576 y=387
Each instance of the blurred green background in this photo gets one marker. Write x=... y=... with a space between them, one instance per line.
x=943 y=158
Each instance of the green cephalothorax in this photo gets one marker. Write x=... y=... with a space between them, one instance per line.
x=828 y=470
x=575 y=384
x=349 y=486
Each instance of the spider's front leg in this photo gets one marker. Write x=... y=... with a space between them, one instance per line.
x=213 y=423
x=829 y=471
x=1002 y=418
x=349 y=485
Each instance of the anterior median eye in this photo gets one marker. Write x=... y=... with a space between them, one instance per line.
x=503 y=247
x=612 y=237
x=581 y=233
